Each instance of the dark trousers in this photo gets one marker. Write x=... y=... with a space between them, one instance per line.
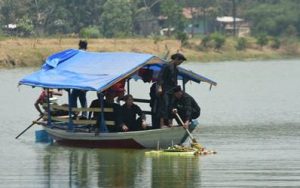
x=76 y=93
x=165 y=111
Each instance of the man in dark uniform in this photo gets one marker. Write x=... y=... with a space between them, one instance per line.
x=167 y=81
x=114 y=116
x=130 y=111
x=185 y=105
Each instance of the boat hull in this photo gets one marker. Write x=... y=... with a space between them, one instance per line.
x=154 y=138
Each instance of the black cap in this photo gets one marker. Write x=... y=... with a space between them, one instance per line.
x=176 y=89
x=178 y=56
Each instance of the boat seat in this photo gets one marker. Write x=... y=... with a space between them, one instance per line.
x=66 y=108
x=79 y=121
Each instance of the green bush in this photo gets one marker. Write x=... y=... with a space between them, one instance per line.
x=219 y=40
x=262 y=40
x=90 y=32
x=156 y=38
x=25 y=27
x=183 y=37
x=241 y=44
x=275 y=43
x=290 y=31
x=205 y=40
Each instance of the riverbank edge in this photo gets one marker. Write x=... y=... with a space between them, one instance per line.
x=24 y=52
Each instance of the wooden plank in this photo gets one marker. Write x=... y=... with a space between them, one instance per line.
x=147 y=112
x=66 y=108
x=80 y=121
x=141 y=100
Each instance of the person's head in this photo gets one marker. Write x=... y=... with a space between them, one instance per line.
x=178 y=92
x=128 y=100
x=178 y=58
x=82 y=44
x=146 y=74
x=119 y=89
x=110 y=95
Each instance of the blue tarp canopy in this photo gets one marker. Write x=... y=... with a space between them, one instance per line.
x=95 y=71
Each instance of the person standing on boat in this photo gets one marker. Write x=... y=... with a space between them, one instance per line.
x=129 y=113
x=77 y=93
x=167 y=81
x=185 y=105
x=154 y=104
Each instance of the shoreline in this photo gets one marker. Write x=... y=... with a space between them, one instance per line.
x=31 y=52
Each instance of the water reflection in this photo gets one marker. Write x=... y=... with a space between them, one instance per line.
x=73 y=167
x=170 y=171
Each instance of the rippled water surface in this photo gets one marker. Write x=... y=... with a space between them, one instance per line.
x=252 y=119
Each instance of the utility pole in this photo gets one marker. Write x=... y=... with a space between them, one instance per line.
x=234 y=17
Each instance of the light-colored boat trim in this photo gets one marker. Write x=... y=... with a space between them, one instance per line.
x=148 y=138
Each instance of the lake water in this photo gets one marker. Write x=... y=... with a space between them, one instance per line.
x=252 y=119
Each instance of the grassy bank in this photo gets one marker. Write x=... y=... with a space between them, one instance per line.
x=19 y=52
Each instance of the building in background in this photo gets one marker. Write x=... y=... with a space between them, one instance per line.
x=226 y=25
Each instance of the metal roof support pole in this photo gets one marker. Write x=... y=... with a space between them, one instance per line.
x=128 y=86
x=102 y=125
x=70 y=124
x=48 y=108
x=184 y=81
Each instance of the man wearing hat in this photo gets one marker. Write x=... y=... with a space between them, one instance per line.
x=185 y=105
x=167 y=81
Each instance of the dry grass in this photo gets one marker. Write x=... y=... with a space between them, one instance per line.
x=18 y=52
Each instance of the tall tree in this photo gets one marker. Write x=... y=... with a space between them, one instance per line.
x=172 y=10
x=116 y=18
x=144 y=16
x=274 y=17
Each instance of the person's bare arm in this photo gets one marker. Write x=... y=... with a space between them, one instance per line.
x=38 y=108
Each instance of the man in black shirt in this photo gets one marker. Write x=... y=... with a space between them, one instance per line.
x=167 y=81
x=114 y=116
x=185 y=105
x=129 y=114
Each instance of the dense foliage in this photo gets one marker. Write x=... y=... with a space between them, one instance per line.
x=123 y=18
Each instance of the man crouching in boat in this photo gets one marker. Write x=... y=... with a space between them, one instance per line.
x=185 y=105
x=129 y=112
x=114 y=116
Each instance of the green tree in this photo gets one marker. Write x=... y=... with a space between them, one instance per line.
x=273 y=17
x=218 y=39
x=262 y=40
x=241 y=44
x=25 y=26
x=275 y=43
x=117 y=18
x=183 y=38
x=12 y=10
x=173 y=12
x=90 y=32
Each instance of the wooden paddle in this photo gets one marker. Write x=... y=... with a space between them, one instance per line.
x=186 y=129
x=34 y=122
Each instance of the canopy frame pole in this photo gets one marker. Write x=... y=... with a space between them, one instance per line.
x=184 y=81
x=70 y=123
x=102 y=125
x=128 y=86
x=48 y=108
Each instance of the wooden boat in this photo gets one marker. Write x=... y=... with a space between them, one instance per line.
x=153 y=138
x=96 y=72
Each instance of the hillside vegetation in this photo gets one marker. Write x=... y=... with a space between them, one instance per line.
x=20 y=52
